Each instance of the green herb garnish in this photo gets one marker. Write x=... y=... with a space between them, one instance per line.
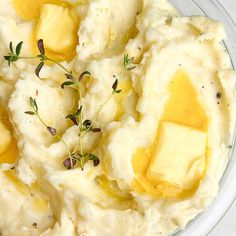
x=129 y=62
x=77 y=156
x=13 y=55
x=51 y=130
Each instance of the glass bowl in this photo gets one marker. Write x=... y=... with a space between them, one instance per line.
x=205 y=222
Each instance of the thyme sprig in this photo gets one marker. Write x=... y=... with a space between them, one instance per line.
x=51 y=130
x=77 y=156
x=14 y=55
x=128 y=62
x=88 y=126
x=73 y=157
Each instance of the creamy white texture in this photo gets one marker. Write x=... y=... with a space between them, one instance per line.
x=77 y=204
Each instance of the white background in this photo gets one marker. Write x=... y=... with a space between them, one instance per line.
x=228 y=225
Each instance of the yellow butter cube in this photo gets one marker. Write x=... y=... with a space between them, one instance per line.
x=5 y=138
x=179 y=157
x=57 y=27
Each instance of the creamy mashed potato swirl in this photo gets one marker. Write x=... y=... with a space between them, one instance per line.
x=165 y=138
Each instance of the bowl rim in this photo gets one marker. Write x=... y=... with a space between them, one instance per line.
x=229 y=167
x=226 y=193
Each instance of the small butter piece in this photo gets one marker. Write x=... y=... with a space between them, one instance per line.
x=179 y=158
x=57 y=27
x=5 y=138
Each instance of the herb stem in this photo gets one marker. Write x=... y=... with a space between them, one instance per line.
x=80 y=120
x=58 y=137
x=59 y=64
x=67 y=148
x=81 y=145
x=48 y=59
x=98 y=112
x=28 y=58
x=84 y=132
x=85 y=126
x=42 y=121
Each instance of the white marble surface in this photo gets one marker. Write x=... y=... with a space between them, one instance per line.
x=228 y=225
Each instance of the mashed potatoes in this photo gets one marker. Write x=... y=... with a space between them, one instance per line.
x=165 y=137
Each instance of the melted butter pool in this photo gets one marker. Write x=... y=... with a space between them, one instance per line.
x=10 y=153
x=184 y=108
x=111 y=189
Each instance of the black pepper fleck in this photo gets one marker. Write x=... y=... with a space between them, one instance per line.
x=35 y=225
x=218 y=103
x=230 y=146
x=203 y=86
x=218 y=95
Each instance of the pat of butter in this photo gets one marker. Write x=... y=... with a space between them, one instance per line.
x=5 y=138
x=179 y=157
x=57 y=27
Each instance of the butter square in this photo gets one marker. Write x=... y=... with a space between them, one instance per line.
x=57 y=27
x=179 y=157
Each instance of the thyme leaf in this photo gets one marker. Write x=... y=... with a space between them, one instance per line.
x=13 y=56
x=128 y=62
x=96 y=130
x=11 y=47
x=18 y=48
x=68 y=164
x=69 y=76
x=38 y=69
x=83 y=75
x=114 y=87
x=75 y=116
x=10 y=59
x=52 y=130
x=34 y=104
x=67 y=83
x=41 y=48
x=30 y=113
